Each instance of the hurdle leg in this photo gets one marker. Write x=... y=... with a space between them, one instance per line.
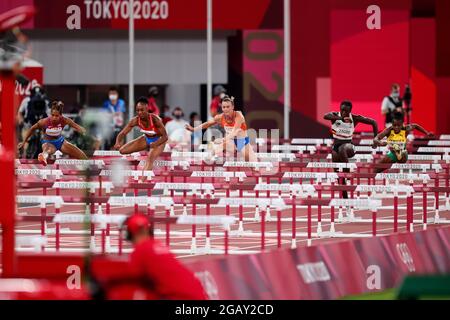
x=395 y=212
x=374 y=222
x=319 y=214
x=108 y=228
x=340 y=216
x=57 y=225
x=436 y=197
x=267 y=215
x=92 y=243
x=43 y=215
x=332 y=229
x=409 y=213
x=279 y=228
x=425 y=209
x=43 y=221
x=447 y=184
x=227 y=229
x=136 y=207
x=294 y=223
x=120 y=240
x=257 y=217
x=194 y=230
x=263 y=225
x=241 y=222
x=309 y=222
x=208 y=228
x=167 y=229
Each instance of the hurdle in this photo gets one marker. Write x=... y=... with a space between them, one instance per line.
x=57 y=201
x=277 y=204
x=92 y=186
x=366 y=204
x=294 y=148
x=444 y=150
x=312 y=141
x=194 y=187
x=115 y=153
x=369 y=149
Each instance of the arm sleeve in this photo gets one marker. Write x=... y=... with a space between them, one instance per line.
x=385 y=105
x=23 y=105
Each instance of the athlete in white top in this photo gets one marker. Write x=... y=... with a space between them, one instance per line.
x=343 y=125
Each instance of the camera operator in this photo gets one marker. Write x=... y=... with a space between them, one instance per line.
x=32 y=109
x=392 y=104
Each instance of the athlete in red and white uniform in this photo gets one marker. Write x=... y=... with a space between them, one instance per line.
x=236 y=137
x=154 y=134
x=53 y=140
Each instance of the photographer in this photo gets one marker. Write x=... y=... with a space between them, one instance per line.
x=392 y=104
x=32 y=109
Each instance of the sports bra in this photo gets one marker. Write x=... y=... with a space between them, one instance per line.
x=54 y=130
x=148 y=131
x=342 y=130
x=228 y=126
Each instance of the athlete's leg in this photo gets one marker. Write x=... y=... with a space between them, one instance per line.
x=230 y=149
x=153 y=154
x=73 y=151
x=346 y=151
x=249 y=153
x=136 y=145
x=47 y=150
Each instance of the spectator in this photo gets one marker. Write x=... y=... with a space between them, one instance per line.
x=176 y=128
x=196 y=137
x=392 y=104
x=166 y=114
x=219 y=93
x=153 y=93
x=116 y=107
x=152 y=262
x=32 y=109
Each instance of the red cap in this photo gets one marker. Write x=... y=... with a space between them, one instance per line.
x=136 y=222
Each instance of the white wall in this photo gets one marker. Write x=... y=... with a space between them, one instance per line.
x=105 y=61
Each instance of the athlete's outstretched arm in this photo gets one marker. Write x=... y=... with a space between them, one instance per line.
x=237 y=126
x=415 y=126
x=204 y=125
x=332 y=116
x=38 y=125
x=161 y=130
x=124 y=132
x=381 y=135
x=75 y=125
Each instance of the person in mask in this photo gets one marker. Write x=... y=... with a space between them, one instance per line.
x=176 y=128
x=116 y=107
x=392 y=104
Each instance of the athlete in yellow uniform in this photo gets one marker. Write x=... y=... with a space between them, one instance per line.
x=396 y=140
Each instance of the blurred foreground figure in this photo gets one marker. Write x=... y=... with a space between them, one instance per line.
x=152 y=262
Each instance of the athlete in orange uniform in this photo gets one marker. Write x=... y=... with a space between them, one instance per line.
x=53 y=140
x=154 y=134
x=233 y=122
